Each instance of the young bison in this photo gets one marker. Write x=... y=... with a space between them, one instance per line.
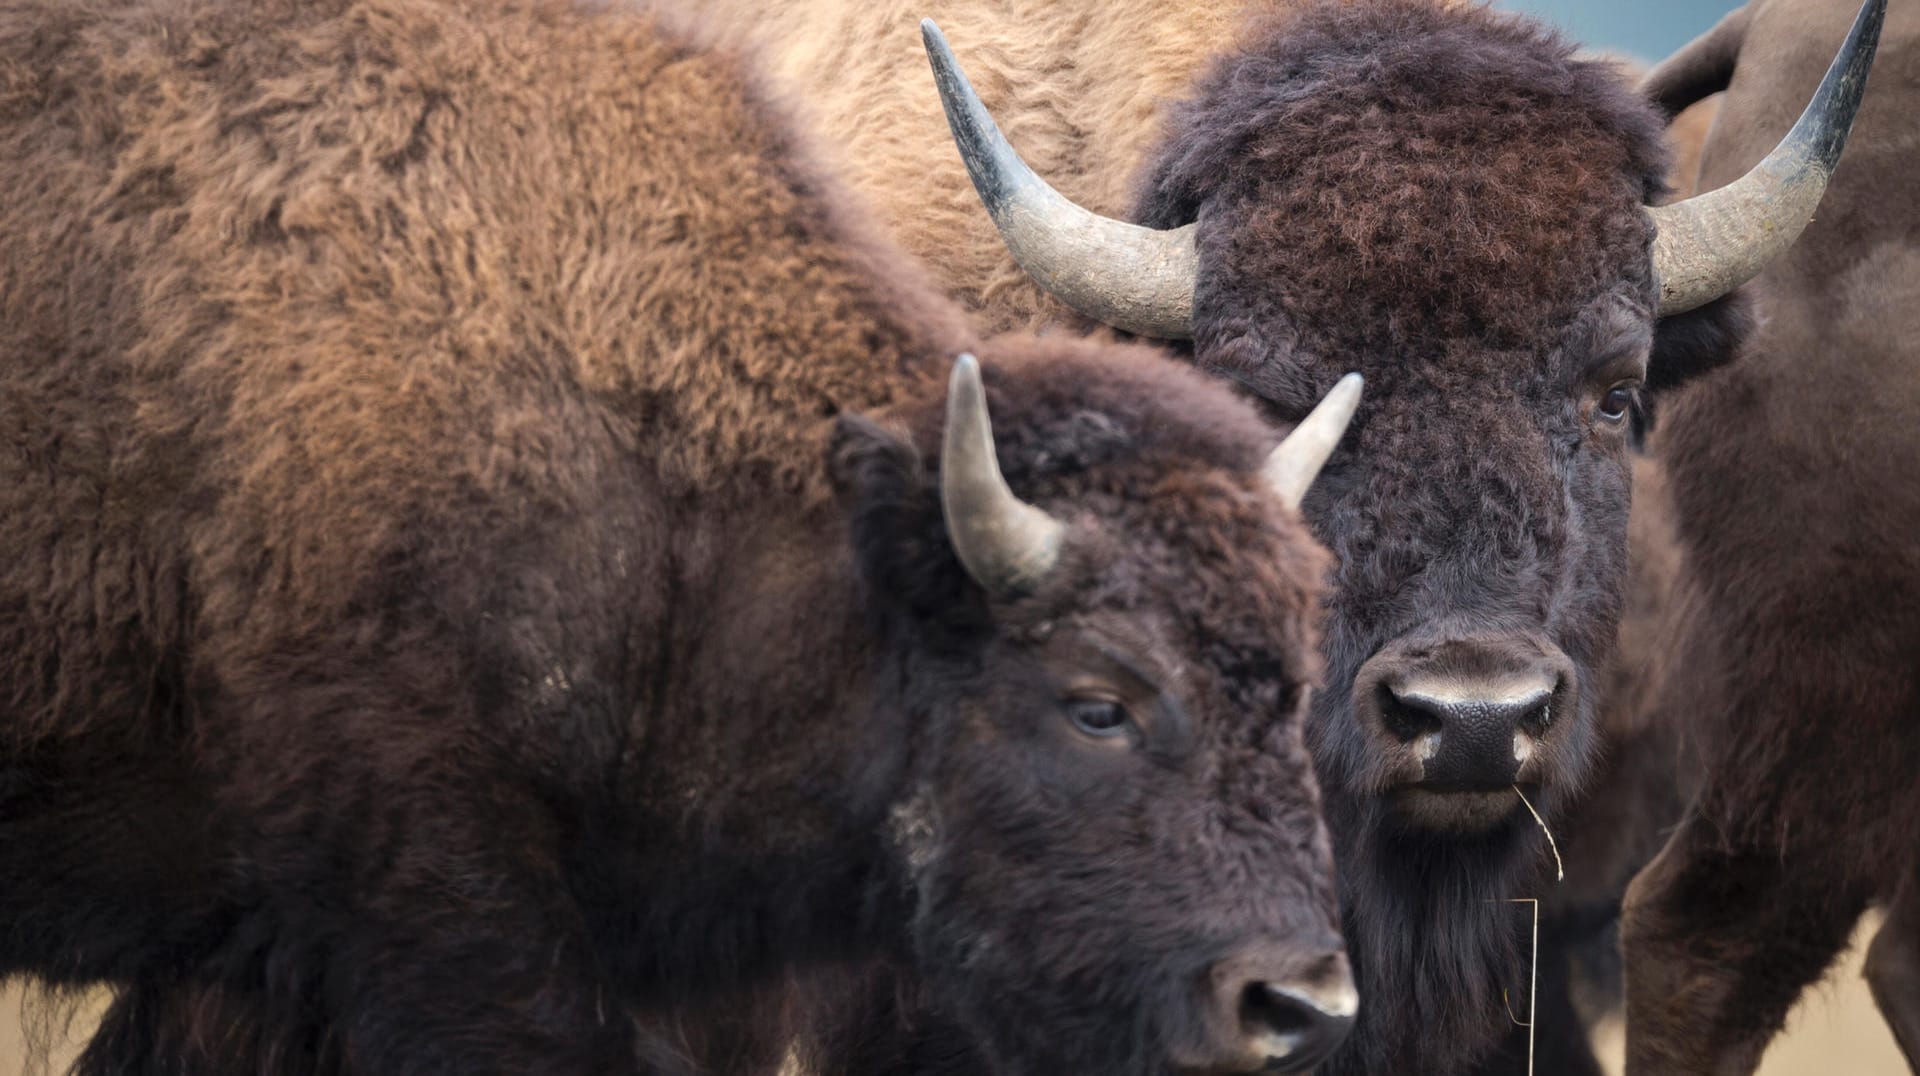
x=450 y=602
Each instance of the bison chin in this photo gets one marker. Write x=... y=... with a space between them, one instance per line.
x=1456 y=811
x=1034 y=1017
x=1058 y=972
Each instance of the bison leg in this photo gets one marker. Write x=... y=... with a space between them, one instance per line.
x=1719 y=943
x=1893 y=971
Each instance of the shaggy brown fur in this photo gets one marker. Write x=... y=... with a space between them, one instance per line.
x=449 y=601
x=1792 y=476
x=1080 y=86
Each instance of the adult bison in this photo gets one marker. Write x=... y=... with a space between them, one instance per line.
x=1792 y=479
x=1450 y=201
x=450 y=600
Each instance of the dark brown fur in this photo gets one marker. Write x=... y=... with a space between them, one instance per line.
x=450 y=602
x=1792 y=477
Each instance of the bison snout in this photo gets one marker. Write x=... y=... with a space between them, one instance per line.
x=1281 y=1011
x=1461 y=720
x=1470 y=735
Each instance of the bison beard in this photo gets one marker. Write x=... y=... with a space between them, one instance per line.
x=451 y=602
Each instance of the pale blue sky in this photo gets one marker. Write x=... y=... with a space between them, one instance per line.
x=1648 y=29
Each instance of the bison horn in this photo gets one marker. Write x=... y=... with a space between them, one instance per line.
x=1712 y=243
x=1006 y=544
x=1296 y=461
x=1132 y=278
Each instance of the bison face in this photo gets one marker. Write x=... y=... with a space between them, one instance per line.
x=1110 y=829
x=1482 y=541
x=1456 y=209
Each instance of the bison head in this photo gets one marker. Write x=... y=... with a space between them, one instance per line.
x=1113 y=850
x=1450 y=202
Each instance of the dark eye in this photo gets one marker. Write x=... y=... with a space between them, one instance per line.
x=1102 y=718
x=1618 y=401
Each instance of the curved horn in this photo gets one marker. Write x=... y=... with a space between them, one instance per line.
x=1005 y=543
x=1296 y=462
x=1711 y=244
x=1132 y=278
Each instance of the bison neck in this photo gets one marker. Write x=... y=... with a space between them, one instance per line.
x=764 y=755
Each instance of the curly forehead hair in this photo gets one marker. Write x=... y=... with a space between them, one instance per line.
x=1401 y=173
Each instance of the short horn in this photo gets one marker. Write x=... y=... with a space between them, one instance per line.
x=1296 y=462
x=1712 y=243
x=1129 y=277
x=1006 y=544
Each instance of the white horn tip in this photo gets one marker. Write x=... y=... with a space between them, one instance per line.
x=966 y=371
x=1344 y=397
x=1297 y=461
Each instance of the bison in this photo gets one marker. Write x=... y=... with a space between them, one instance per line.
x=1451 y=201
x=1798 y=513
x=495 y=543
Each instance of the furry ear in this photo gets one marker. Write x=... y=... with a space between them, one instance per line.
x=900 y=544
x=1690 y=344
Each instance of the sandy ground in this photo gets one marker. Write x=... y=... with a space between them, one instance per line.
x=17 y=1011
x=1834 y=1032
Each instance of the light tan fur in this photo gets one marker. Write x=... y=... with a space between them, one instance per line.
x=1079 y=87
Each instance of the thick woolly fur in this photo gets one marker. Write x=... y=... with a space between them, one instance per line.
x=1444 y=198
x=1792 y=476
x=1080 y=87
x=450 y=600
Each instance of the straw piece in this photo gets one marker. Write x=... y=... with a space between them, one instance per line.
x=1559 y=868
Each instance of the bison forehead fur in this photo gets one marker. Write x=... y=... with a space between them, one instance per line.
x=450 y=600
x=1390 y=175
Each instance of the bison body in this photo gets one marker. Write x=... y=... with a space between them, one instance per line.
x=450 y=602
x=1790 y=477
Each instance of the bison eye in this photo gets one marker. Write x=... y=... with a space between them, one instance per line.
x=1101 y=718
x=1618 y=401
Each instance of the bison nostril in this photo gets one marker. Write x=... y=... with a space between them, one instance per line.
x=1406 y=723
x=1289 y=1029
x=1267 y=1012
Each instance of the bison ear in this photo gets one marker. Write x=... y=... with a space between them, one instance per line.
x=899 y=535
x=1690 y=344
